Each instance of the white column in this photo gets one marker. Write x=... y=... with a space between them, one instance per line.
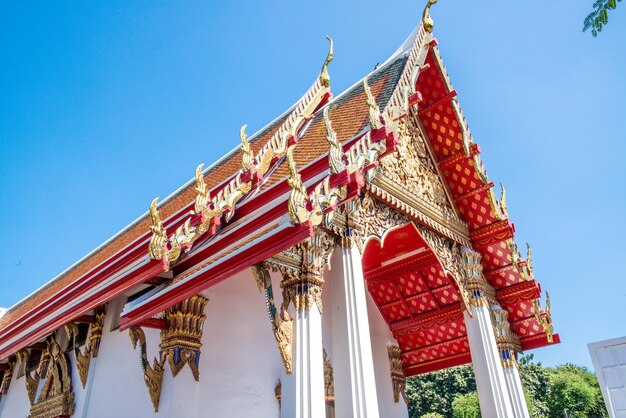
x=516 y=392
x=355 y=382
x=303 y=390
x=492 y=390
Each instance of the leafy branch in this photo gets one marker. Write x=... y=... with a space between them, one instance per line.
x=600 y=16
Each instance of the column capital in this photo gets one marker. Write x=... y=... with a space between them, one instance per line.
x=507 y=341
x=480 y=291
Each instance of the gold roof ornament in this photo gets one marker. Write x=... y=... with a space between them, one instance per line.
x=335 y=155
x=203 y=196
x=248 y=157
x=529 y=260
x=503 y=206
x=298 y=196
x=324 y=76
x=159 y=234
x=374 y=110
x=427 y=21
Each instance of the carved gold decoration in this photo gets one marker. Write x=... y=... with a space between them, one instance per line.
x=329 y=379
x=414 y=171
x=152 y=375
x=508 y=343
x=375 y=219
x=7 y=377
x=56 y=397
x=181 y=339
x=248 y=157
x=305 y=289
x=83 y=359
x=324 y=76
x=298 y=197
x=398 y=380
x=374 y=111
x=427 y=21
x=544 y=317
x=225 y=200
x=282 y=324
x=480 y=291
x=203 y=197
x=335 y=155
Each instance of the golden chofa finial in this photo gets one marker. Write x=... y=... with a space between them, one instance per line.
x=248 y=158
x=159 y=235
x=324 y=76
x=427 y=21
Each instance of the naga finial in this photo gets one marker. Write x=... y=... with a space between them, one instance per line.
x=529 y=258
x=159 y=235
x=503 y=205
x=335 y=155
x=547 y=302
x=374 y=110
x=248 y=157
x=298 y=196
x=202 y=194
x=427 y=21
x=324 y=76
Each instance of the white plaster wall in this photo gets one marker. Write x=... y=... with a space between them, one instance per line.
x=381 y=337
x=117 y=388
x=240 y=363
x=15 y=403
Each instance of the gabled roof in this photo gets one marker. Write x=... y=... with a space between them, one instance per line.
x=122 y=263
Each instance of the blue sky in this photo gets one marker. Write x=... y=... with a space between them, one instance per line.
x=105 y=105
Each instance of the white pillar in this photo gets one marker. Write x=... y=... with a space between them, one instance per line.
x=492 y=390
x=303 y=390
x=355 y=382
x=516 y=392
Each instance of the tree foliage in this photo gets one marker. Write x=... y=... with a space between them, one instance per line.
x=549 y=392
x=466 y=406
x=599 y=17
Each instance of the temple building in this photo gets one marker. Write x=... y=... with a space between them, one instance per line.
x=353 y=242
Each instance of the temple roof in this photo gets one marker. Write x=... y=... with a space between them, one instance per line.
x=478 y=218
x=349 y=115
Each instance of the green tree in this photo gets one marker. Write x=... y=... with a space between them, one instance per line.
x=575 y=391
x=434 y=392
x=432 y=415
x=599 y=16
x=466 y=406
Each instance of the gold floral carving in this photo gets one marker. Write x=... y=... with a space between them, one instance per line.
x=398 y=380
x=329 y=379
x=282 y=324
x=83 y=359
x=7 y=377
x=305 y=289
x=152 y=375
x=181 y=340
x=413 y=169
x=374 y=220
x=508 y=343
x=56 y=397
